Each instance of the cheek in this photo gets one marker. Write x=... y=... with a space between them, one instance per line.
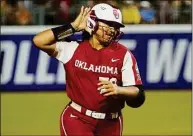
x=101 y=35
x=100 y=32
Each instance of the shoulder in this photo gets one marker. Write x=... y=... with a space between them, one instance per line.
x=120 y=46
x=64 y=47
x=128 y=55
x=65 y=50
x=82 y=45
x=85 y=42
x=123 y=48
x=62 y=44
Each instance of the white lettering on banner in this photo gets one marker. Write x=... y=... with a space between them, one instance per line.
x=9 y=49
x=187 y=68
x=173 y=70
x=163 y=59
x=21 y=75
x=61 y=75
x=42 y=75
x=130 y=44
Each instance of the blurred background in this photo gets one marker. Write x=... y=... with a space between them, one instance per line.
x=159 y=34
x=54 y=12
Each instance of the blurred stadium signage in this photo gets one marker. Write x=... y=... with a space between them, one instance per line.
x=163 y=53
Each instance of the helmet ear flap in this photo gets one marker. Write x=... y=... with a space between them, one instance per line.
x=92 y=23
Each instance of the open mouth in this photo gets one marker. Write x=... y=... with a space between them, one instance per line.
x=109 y=35
x=107 y=39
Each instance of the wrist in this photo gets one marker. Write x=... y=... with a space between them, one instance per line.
x=61 y=32
x=118 y=90
x=74 y=26
x=128 y=92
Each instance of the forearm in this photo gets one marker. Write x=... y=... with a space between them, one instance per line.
x=128 y=92
x=50 y=36
x=62 y=32
x=133 y=95
x=46 y=40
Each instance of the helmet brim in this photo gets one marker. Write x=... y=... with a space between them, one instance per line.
x=111 y=23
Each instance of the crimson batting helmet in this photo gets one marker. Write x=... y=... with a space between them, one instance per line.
x=103 y=12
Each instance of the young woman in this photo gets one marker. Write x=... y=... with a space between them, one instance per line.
x=101 y=74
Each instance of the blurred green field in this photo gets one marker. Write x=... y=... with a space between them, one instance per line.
x=164 y=113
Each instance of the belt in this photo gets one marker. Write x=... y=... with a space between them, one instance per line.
x=94 y=114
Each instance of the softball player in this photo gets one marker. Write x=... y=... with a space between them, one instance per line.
x=101 y=74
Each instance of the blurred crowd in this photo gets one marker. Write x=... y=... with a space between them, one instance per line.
x=55 y=12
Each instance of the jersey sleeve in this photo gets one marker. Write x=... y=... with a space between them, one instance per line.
x=65 y=50
x=130 y=71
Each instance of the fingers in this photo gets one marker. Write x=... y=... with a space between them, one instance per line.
x=104 y=87
x=79 y=23
x=107 y=88
x=103 y=82
x=82 y=10
x=85 y=14
x=79 y=17
x=109 y=94
x=104 y=91
x=86 y=11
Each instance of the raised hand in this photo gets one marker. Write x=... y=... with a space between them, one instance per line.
x=79 y=23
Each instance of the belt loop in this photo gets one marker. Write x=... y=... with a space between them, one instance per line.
x=83 y=110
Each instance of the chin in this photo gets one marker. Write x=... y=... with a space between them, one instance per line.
x=106 y=43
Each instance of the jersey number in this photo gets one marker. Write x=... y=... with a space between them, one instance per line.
x=112 y=80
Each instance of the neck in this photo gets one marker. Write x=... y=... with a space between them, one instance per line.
x=95 y=43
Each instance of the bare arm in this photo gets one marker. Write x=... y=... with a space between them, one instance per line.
x=132 y=90
x=112 y=89
x=46 y=40
x=133 y=95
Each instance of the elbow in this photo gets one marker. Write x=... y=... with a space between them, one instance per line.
x=43 y=39
x=37 y=41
